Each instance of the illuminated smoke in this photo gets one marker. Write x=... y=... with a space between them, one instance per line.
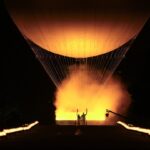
x=82 y=89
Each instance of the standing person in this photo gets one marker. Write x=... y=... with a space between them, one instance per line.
x=83 y=117
x=78 y=118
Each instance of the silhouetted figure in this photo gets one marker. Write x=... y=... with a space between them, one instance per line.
x=78 y=118
x=83 y=118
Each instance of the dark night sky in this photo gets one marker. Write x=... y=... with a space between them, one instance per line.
x=27 y=89
x=134 y=70
x=25 y=85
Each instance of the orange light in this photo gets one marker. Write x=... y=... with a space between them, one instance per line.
x=81 y=90
x=81 y=39
x=85 y=33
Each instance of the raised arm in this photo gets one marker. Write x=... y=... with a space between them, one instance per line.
x=77 y=111
x=86 y=111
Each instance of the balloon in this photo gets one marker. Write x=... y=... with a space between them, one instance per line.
x=78 y=28
x=73 y=32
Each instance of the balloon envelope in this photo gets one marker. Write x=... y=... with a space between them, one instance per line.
x=76 y=28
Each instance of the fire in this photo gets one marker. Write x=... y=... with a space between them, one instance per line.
x=81 y=90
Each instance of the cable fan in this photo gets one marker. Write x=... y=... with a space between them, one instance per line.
x=57 y=66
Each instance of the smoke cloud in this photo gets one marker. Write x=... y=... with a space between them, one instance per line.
x=82 y=89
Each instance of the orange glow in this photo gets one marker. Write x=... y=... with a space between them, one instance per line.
x=81 y=39
x=82 y=90
x=66 y=29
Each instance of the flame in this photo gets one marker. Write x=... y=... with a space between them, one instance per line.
x=81 y=90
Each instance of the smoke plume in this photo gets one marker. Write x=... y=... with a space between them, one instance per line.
x=82 y=89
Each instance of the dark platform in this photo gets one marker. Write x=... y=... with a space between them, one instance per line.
x=73 y=137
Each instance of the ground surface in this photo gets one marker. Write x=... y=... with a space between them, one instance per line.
x=73 y=137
